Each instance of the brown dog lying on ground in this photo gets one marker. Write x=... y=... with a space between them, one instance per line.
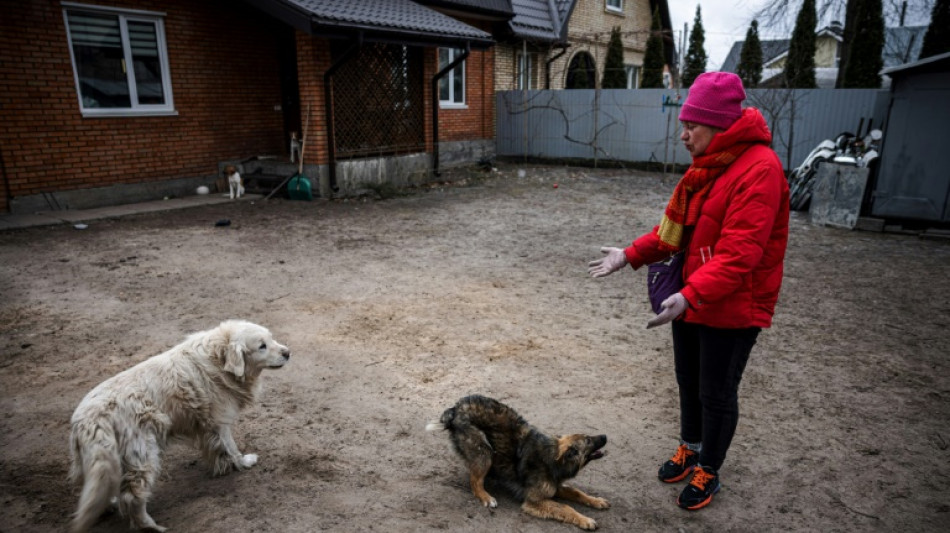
x=493 y=439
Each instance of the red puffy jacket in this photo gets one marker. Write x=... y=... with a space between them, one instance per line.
x=735 y=255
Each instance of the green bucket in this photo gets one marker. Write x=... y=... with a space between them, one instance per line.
x=298 y=188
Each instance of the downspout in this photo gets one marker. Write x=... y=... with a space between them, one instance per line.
x=6 y=182
x=435 y=105
x=328 y=106
x=547 y=67
x=558 y=28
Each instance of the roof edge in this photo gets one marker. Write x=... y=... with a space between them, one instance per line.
x=917 y=64
x=304 y=20
x=391 y=35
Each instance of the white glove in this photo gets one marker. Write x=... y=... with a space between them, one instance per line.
x=613 y=261
x=673 y=307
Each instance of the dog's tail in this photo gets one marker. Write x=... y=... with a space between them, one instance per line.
x=97 y=466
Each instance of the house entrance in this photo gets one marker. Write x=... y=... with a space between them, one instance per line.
x=289 y=88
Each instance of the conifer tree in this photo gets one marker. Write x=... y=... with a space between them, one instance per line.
x=851 y=9
x=615 y=77
x=937 y=38
x=750 y=58
x=695 y=63
x=653 y=57
x=865 y=61
x=800 y=63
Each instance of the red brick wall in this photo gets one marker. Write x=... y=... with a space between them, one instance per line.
x=477 y=120
x=225 y=84
x=313 y=59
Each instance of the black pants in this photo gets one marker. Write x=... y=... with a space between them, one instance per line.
x=709 y=364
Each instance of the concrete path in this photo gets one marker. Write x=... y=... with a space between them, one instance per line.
x=82 y=216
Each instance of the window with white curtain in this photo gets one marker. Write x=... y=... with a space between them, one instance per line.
x=614 y=5
x=452 y=85
x=120 y=61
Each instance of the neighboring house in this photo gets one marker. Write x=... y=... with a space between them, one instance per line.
x=589 y=33
x=550 y=41
x=901 y=45
x=126 y=100
x=535 y=37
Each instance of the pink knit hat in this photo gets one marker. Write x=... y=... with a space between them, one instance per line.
x=715 y=99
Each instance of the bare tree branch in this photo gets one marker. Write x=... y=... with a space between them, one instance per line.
x=778 y=16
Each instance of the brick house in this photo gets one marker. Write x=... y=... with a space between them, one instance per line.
x=128 y=100
x=549 y=41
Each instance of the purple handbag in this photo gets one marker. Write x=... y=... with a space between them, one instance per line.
x=664 y=279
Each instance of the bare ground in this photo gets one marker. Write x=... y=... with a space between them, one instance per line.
x=396 y=308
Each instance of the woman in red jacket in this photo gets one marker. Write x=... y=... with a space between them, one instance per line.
x=729 y=214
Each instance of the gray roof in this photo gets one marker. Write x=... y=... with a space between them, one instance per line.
x=491 y=8
x=377 y=20
x=542 y=21
x=901 y=45
x=770 y=50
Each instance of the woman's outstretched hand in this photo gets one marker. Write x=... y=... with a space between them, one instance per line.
x=614 y=259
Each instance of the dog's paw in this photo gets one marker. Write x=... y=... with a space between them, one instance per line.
x=598 y=503
x=248 y=460
x=587 y=523
x=490 y=502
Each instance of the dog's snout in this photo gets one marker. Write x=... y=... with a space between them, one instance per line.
x=286 y=353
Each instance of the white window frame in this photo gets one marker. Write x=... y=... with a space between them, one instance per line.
x=525 y=63
x=454 y=101
x=633 y=76
x=125 y=16
x=614 y=5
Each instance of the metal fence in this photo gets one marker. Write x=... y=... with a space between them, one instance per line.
x=641 y=125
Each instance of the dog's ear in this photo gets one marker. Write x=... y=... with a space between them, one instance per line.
x=565 y=447
x=234 y=359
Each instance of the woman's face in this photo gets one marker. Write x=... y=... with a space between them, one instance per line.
x=697 y=137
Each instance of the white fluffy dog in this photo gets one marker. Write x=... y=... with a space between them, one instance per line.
x=193 y=391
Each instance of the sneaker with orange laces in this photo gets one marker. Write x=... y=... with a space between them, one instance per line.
x=679 y=466
x=700 y=490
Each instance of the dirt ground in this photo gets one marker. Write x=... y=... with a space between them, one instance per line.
x=395 y=308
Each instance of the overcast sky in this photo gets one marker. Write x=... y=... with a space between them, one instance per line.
x=727 y=21
x=724 y=22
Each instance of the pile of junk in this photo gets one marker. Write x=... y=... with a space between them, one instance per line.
x=846 y=149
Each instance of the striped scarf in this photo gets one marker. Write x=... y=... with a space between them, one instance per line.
x=690 y=193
